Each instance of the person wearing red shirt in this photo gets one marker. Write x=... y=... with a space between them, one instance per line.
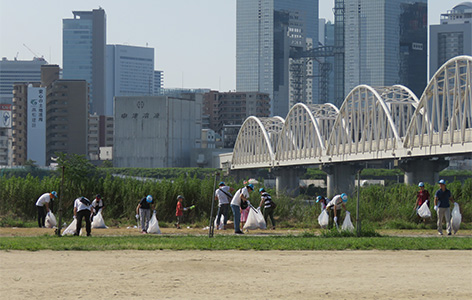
x=421 y=198
x=179 y=211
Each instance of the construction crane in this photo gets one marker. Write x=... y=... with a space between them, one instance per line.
x=34 y=53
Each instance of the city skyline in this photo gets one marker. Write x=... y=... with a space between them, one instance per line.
x=195 y=43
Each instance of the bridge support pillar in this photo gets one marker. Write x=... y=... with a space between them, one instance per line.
x=340 y=178
x=425 y=170
x=287 y=181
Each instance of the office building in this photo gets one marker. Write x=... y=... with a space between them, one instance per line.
x=385 y=43
x=18 y=71
x=129 y=72
x=156 y=131
x=453 y=37
x=266 y=32
x=228 y=110
x=83 y=53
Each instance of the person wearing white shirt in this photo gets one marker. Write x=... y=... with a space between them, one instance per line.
x=334 y=208
x=82 y=209
x=241 y=196
x=43 y=201
x=223 y=196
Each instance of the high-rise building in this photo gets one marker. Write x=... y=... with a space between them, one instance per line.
x=18 y=71
x=129 y=72
x=22 y=116
x=5 y=134
x=67 y=118
x=386 y=43
x=100 y=134
x=453 y=37
x=226 y=110
x=266 y=31
x=83 y=53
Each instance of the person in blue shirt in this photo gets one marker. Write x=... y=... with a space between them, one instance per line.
x=442 y=206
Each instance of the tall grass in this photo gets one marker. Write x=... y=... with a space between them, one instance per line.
x=390 y=207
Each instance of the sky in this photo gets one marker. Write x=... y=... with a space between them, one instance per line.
x=194 y=40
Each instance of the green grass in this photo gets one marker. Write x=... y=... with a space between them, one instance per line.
x=302 y=242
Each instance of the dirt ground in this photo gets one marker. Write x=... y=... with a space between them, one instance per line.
x=236 y=275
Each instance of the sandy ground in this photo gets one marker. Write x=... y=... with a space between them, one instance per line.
x=236 y=275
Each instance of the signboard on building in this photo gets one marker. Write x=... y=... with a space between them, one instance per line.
x=36 y=129
x=5 y=115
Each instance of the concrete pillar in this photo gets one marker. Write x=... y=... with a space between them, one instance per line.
x=425 y=170
x=340 y=178
x=287 y=180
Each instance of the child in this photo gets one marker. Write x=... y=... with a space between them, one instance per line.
x=179 y=211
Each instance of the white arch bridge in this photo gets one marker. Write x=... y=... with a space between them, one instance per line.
x=373 y=123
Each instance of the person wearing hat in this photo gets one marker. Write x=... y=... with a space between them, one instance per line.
x=323 y=202
x=224 y=197
x=239 y=198
x=43 y=201
x=82 y=210
x=442 y=206
x=97 y=206
x=268 y=205
x=334 y=208
x=421 y=197
x=143 y=212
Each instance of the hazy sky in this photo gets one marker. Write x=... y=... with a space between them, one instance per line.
x=194 y=40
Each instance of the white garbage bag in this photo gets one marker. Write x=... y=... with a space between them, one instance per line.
x=323 y=219
x=222 y=224
x=424 y=211
x=255 y=220
x=456 y=218
x=154 y=225
x=70 y=230
x=98 y=221
x=347 y=224
x=50 y=221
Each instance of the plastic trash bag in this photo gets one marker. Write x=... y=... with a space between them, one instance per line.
x=50 y=221
x=98 y=221
x=70 y=230
x=347 y=224
x=424 y=211
x=222 y=225
x=456 y=218
x=323 y=219
x=255 y=220
x=154 y=225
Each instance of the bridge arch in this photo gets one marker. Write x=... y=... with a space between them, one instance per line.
x=365 y=123
x=305 y=132
x=444 y=113
x=256 y=142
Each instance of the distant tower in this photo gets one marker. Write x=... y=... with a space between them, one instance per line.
x=385 y=43
x=83 y=53
x=266 y=31
x=130 y=72
x=452 y=37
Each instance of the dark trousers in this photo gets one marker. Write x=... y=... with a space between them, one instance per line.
x=269 y=212
x=223 y=210
x=83 y=214
x=41 y=216
x=331 y=217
